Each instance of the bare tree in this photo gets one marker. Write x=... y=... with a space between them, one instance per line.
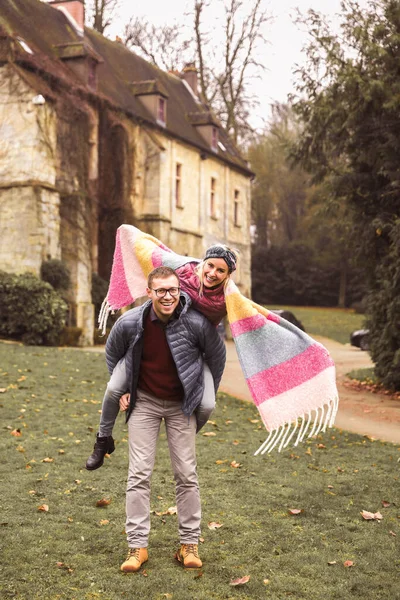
x=225 y=85
x=226 y=62
x=163 y=46
x=100 y=13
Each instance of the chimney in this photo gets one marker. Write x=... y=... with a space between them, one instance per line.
x=189 y=74
x=75 y=9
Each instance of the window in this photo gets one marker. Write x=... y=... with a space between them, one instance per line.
x=161 y=110
x=214 y=139
x=178 y=186
x=213 y=198
x=236 y=209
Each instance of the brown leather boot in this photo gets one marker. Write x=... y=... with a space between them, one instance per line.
x=103 y=446
x=188 y=555
x=136 y=557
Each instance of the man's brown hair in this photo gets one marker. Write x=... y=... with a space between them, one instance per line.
x=162 y=273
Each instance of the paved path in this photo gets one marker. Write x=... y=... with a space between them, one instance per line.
x=363 y=412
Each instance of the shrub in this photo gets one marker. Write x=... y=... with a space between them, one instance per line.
x=56 y=273
x=294 y=275
x=31 y=310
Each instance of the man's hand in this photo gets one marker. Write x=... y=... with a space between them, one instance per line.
x=124 y=402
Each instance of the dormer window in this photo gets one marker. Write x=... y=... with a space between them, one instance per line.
x=153 y=95
x=82 y=59
x=161 y=111
x=207 y=125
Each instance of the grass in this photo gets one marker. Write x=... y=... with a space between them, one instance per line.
x=334 y=323
x=73 y=551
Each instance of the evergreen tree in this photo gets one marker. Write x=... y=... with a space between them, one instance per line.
x=349 y=101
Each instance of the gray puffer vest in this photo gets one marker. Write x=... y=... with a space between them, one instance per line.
x=192 y=340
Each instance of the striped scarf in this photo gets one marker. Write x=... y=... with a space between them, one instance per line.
x=291 y=377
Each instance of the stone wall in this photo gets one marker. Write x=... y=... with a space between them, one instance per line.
x=38 y=219
x=29 y=200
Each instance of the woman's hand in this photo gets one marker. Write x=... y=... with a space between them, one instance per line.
x=124 y=402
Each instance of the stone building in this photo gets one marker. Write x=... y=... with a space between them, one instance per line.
x=93 y=136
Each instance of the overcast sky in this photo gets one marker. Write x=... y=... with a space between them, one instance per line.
x=279 y=56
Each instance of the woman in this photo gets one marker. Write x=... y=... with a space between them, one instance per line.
x=204 y=282
x=291 y=377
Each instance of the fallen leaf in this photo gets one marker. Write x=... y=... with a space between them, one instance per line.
x=228 y=422
x=104 y=522
x=43 y=508
x=61 y=451
x=209 y=434
x=201 y=540
x=214 y=525
x=348 y=563
x=240 y=580
x=235 y=443
x=20 y=448
x=103 y=502
x=385 y=503
x=266 y=581
x=308 y=451
x=47 y=460
x=330 y=487
x=220 y=462
x=62 y=565
x=332 y=562
x=295 y=511
x=369 y=516
x=172 y=510
x=167 y=595
x=144 y=573
x=392 y=533
x=321 y=446
x=16 y=432
x=235 y=464
x=254 y=420
x=3 y=390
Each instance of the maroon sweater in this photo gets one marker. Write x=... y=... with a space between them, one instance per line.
x=157 y=374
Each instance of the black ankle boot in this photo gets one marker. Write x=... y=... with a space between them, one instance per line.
x=103 y=446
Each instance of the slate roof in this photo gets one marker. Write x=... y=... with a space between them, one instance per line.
x=121 y=73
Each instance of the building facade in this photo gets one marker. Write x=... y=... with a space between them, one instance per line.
x=93 y=136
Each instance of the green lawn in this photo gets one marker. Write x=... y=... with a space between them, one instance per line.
x=73 y=551
x=334 y=323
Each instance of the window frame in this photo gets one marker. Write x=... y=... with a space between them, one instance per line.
x=213 y=198
x=161 y=110
x=178 y=185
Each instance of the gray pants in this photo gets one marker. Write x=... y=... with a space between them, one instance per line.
x=118 y=385
x=144 y=426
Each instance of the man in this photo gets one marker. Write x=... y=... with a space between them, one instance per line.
x=165 y=343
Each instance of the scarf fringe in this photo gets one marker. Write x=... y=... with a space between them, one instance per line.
x=281 y=436
x=103 y=316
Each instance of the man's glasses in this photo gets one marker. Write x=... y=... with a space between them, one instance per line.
x=161 y=292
